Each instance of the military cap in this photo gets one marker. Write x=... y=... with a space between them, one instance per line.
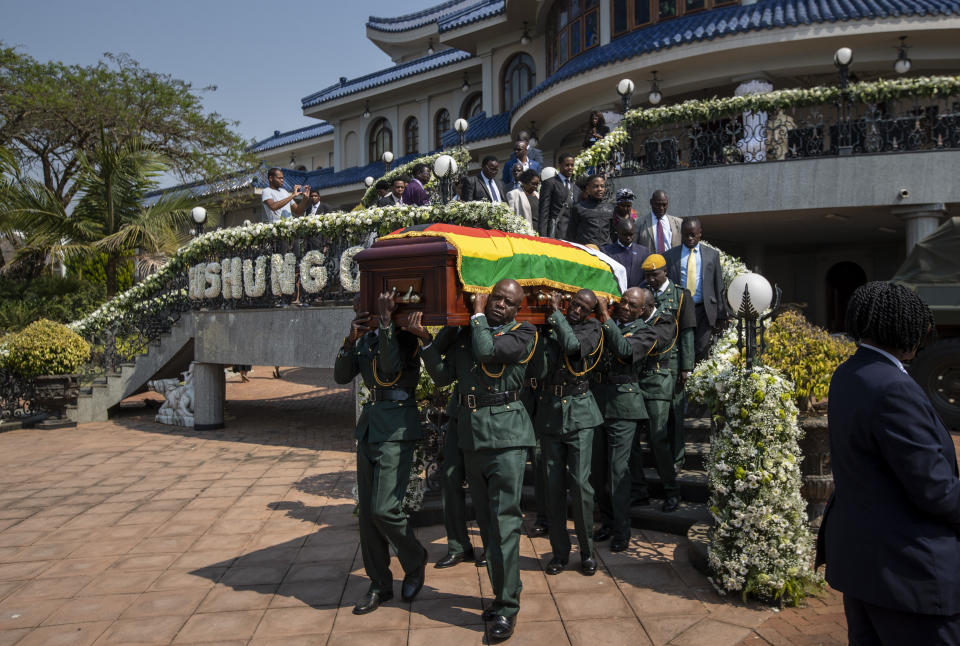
x=654 y=261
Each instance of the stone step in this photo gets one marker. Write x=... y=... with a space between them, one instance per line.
x=695 y=456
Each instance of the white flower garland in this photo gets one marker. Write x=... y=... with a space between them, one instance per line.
x=255 y=277
x=313 y=272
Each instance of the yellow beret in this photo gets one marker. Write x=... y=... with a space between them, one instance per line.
x=654 y=261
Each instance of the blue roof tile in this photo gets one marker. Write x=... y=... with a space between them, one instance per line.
x=765 y=14
x=411 y=68
x=292 y=136
x=475 y=13
x=420 y=18
x=480 y=128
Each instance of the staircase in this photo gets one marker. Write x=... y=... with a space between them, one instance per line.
x=166 y=356
x=694 y=490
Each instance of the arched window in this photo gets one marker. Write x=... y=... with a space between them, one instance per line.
x=573 y=27
x=411 y=136
x=441 y=123
x=472 y=105
x=519 y=77
x=381 y=139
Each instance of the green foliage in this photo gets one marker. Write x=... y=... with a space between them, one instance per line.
x=93 y=269
x=45 y=348
x=51 y=113
x=58 y=299
x=806 y=354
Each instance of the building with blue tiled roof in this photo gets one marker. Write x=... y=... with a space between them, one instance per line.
x=544 y=65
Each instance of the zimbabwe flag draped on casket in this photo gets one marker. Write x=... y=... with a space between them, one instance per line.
x=486 y=256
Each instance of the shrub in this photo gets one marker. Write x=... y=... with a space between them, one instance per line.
x=45 y=348
x=57 y=299
x=805 y=353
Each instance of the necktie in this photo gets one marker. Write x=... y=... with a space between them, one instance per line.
x=494 y=195
x=661 y=237
x=692 y=272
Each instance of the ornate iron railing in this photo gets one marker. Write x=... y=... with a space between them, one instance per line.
x=16 y=396
x=843 y=128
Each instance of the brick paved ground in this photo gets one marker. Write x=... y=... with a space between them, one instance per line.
x=131 y=532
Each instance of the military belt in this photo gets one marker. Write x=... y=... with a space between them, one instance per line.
x=389 y=395
x=566 y=390
x=489 y=399
x=615 y=379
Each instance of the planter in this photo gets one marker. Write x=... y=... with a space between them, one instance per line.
x=815 y=468
x=53 y=393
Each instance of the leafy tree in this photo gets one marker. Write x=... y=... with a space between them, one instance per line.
x=52 y=113
x=110 y=221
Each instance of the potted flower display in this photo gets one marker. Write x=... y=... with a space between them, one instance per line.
x=49 y=354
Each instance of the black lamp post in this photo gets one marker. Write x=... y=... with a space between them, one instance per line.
x=445 y=167
x=387 y=158
x=625 y=90
x=749 y=296
x=199 y=215
x=461 y=125
x=842 y=58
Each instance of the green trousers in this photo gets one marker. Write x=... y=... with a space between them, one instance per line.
x=383 y=471
x=678 y=410
x=496 y=479
x=539 y=482
x=567 y=459
x=663 y=457
x=611 y=473
x=452 y=494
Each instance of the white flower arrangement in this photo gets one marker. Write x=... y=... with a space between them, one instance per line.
x=283 y=274
x=347 y=279
x=461 y=156
x=313 y=273
x=255 y=277
x=714 y=108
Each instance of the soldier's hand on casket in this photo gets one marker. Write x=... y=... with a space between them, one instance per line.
x=479 y=303
x=358 y=327
x=603 y=311
x=556 y=299
x=386 y=305
x=415 y=327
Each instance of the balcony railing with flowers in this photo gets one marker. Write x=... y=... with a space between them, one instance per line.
x=865 y=118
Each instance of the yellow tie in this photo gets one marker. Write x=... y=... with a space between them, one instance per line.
x=692 y=273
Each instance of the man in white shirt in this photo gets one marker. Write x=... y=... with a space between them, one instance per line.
x=278 y=202
x=659 y=231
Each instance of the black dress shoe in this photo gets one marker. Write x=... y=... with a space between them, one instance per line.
x=671 y=504
x=450 y=560
x=414 y=581
x=501 y=627
x=556 y=565
x=588 y=566
x=479 y=557
x=489 y=613
x=539 y=529
x=602 y=534
x=371 y=601
x=619 y=544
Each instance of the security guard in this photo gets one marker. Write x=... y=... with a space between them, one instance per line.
x=387 y=430
x=674 y=299
x=628 y=340
x=657 y=384
x=566 y=418
x=488 y=360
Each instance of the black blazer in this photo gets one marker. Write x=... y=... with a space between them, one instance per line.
x=389 y=200
x=631 y=258
x=556 y=202
x=890 y=530
x=714 y=296
x=473 y=188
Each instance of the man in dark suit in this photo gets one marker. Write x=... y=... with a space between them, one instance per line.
x=658 y=230
x=395 y=196
x=415 y=193
x=519 y=156
x=485 y=187
x=557 y=197
x=697 y=268
x=590 y=218
x=891 y=531
x=627 y=252
x=533 y=152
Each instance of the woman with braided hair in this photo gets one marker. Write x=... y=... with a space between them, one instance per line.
x=890 y=531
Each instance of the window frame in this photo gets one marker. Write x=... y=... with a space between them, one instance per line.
x=575 y=22
x=379 y=128
x=524 y=60
x=654 y=13
x=411 y=136
x=439 y=129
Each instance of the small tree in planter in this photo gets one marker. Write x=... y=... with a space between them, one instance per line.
x=50 y=354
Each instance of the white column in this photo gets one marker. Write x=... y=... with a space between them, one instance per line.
x=210 y=393
x=491 y=93
x=337 y=147
x=426 y=125
x=606 y=18
x=920 y=220
x=753 y=144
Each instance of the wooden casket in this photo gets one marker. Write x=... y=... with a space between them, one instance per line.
x=423 y=271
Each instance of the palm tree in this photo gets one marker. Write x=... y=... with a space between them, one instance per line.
x=110 y=218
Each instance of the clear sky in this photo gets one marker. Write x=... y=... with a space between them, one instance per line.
x=263 y=57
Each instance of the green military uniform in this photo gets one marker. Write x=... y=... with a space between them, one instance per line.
x=567 y=415
x=618 y=395
x=386 y=432
x=452 y=475
x=495 y=433
x=657 y=383
x=528 y=395
x=678 y=302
